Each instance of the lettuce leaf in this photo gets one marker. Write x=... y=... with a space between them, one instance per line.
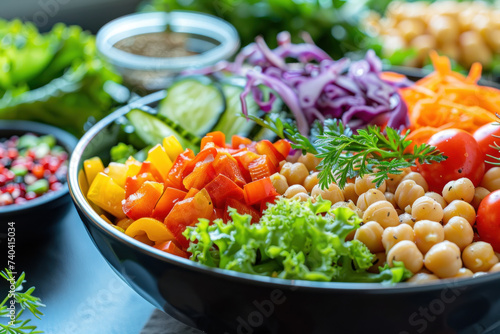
x=293 y=240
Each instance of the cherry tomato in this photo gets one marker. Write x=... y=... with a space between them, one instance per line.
x=484 y=137
x=488 y=220
x=465 y=159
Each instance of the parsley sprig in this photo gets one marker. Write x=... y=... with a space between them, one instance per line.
x=346 y=154
x=26 y=301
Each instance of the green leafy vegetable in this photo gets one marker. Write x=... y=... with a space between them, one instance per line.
x=121 y=152
x=293 y=240
x=55 y=78
x=26 y=301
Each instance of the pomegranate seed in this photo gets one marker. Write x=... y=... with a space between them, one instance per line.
x=12 y=153
x=56 y=186
x=20 y=200
x=37 y=171
x=9 y=175
x=29 y=179
x=16 y=193
x=6 y=199
x=29 y=196
x=53 y=179
x=3 y=179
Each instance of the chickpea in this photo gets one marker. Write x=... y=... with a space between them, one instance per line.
x=394 y=179
x=383 y=213
x=333 y=193
x=444 y=28
x=407 y=192
x=279 y=183
x=393 y=235
x=418 y=178
x=479 y=256
x=479 y=194
x=410 y=28
x=371 y=235
x=310 y=181
x=491 y=179
x=426 y=208
x=438 y=198
x=427 y=234
x=463 y=273
x=350 y=193
x=422 y=278
x=459 y=231
x=310 y=161
x=406 y=218
x=462 y=189
x=295 y=173
x=459 y=208
x=443 y=259
x=368 y=198
x=362 y=185
x=294 y=190
x=407 y=252
x=389 y=197
x=379 y=261
x=281 y=164
x=495 y=268
x=302 y=197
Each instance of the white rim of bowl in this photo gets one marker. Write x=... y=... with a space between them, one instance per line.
x=180 y=21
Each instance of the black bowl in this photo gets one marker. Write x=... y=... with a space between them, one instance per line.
x=36 y=218
x=221 y=301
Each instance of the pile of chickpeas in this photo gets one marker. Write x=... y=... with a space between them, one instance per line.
x=431 y=233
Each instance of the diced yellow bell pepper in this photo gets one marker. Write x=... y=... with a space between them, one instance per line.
x=82 y=182
x=118 y=172
x=172 y=147
x=92 y=167
x=159 y=158
x=154 y=229
x=106 y=219
x=124 y=223
x=106 y=194
x=119 y=228
x=144 y=239
x=134 y=167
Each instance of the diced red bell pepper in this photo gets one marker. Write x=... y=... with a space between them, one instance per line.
x=206 y=155
x=266 y=202
x=240 y=142
x=133 y=183
x=148 y=167
x=267 y=148
x=226 y=165
x=192 y=192
x=172 y=248
x=141 y=203
x=261 y=167
x=176 y=174
x=222 y=188
x=200 y=177
x=217 y=137
x=242 y=209
x=245 y=158
x=283 y=146
x=187 y=212
x=219 y=214
x=257 y=191
x=166 y=202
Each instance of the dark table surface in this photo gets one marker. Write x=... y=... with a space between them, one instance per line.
x=81 y=292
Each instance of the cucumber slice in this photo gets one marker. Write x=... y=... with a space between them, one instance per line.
x=195 y=104
x=152 y=130
x=232 y=123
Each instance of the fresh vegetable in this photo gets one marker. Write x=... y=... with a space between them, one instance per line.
x=154 y=229
x=488 y=220
x=446 y=99
x=30 y=166
x=106 y=194
x=26 y=300
x=55 y=77
x=465 y=159
x=488 y=138
x=292 y=240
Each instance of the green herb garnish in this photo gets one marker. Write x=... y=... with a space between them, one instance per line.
x=346 y=155
x=25 y=300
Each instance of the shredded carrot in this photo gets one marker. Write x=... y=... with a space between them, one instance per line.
x=447 y=99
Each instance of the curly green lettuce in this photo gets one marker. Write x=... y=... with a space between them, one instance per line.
x=293 y=240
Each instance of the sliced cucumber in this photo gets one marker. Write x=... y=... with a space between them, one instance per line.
x=152 y=130
x=231 y=122
x=196 y=104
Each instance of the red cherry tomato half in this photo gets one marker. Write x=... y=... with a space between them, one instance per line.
x=488 y=220
x=465 y=159
x=484 y=137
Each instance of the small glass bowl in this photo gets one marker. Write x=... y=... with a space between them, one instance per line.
x=212 y=38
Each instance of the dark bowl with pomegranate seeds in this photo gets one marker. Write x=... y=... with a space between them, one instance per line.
x=33 y=217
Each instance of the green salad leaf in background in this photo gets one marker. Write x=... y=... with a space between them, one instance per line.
x=55 y=78
x=292 y=240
